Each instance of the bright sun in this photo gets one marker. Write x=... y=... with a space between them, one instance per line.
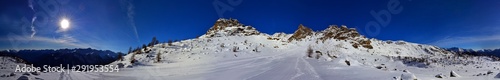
x=64 y=24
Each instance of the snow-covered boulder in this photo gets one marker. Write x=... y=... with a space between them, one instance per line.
x=24 y=77
x=408 y=76
x=497 y=76
x=440 y=76
x=454 y=74
x=130 y=66
x=396 y=78
x=406 y=71
x=121 y=65
x=12 y=74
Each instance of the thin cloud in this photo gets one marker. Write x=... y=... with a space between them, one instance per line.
x=70 y=41
x=65 y=41
x=464 y=40
x=130 y=14
x=30 y=4
x=33 y=27
x=484 y=37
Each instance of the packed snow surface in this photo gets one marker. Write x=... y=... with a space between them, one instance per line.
x=274 y=57
x=214 y=59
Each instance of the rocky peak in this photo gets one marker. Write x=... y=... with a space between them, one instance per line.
x=229 y=27
x=301 y=33
x=222 y=23
x=344 y=33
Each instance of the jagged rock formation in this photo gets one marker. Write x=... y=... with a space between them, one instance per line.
x=344 y=33
x=229 y=27
x=334 y=32
x=301 y=33
x=232 y=27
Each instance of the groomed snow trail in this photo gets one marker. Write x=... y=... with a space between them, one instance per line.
x=287 y=64
x=292 y=67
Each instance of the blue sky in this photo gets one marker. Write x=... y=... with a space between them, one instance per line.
x=119 y=24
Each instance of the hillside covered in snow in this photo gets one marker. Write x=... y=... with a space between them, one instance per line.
x=231 y=50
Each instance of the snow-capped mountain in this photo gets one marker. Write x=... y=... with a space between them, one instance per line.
x=483 y=52
x=12 y=60
x=232 y=51
x=229 y=27
x=460 y=50
x=242 y=52
x=63 y=56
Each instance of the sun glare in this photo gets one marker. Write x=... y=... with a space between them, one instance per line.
x=64 y=24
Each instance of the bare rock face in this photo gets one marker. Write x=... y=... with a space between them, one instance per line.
x=333 y=32
x=344 y=33
x=229 y=27
x=301 y=33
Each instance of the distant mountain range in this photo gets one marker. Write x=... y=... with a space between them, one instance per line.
x=63 y=56
x=483 y=52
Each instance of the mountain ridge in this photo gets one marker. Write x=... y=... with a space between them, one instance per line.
x=241 y=52
x=482 y=52
x=55 y=57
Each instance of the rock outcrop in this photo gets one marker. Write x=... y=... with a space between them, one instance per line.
x=229 y=27
x=301 y=33
x=344 y=33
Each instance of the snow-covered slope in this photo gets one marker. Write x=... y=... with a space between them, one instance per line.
x=226 y=52
x=283 y=56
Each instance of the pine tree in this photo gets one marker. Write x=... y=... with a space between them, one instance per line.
x=157 y=42
x=309 y=52
x=129 y=50
x=120 y=56
x=169 y=42
x=153 y=42
x=137 y=49
x=158 y=57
